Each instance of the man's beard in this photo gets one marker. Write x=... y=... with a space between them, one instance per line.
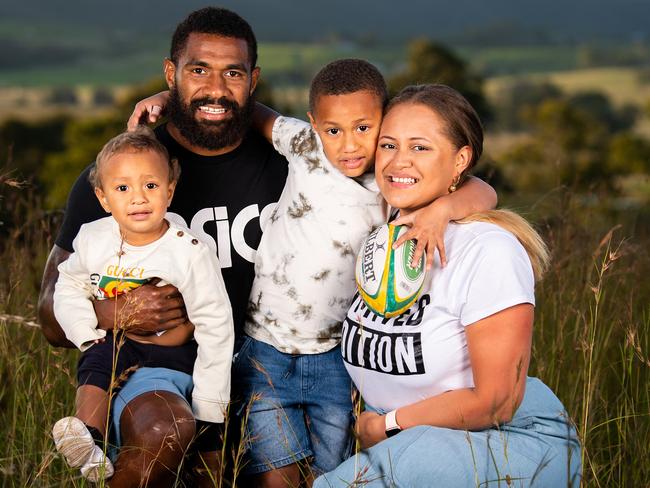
x=206 y=134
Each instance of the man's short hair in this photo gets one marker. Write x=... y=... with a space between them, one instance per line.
x=140 y=140
x=218 y=21
x=346 y=76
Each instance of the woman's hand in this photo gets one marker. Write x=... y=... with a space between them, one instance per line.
x=427 y=227
x=371 y=429
x=149 y=110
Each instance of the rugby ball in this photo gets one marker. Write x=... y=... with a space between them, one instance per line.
x=385 y=279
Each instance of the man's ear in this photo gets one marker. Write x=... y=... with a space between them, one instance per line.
x=255 y=76
x=99 y=193
x=169 y=68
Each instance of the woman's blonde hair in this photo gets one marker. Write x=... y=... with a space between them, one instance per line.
x=518 y=226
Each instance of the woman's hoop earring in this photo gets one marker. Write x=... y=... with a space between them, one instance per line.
x=454 y=184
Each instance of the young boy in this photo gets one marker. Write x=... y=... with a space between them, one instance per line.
x=290 y=366
x=134 y=180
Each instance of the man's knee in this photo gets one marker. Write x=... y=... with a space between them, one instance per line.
x=161 y=423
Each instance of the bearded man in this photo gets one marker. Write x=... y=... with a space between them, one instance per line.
x=230 y=180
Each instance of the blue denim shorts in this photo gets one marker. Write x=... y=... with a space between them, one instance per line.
x=538 y=447
x=145 y=380
x=296 y=406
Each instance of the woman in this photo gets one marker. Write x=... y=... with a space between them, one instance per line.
x=447 y=399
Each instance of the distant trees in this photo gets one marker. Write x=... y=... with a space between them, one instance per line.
x=597 y=105
x=102 y=97
x=431 y=62
x=628 y=154
x=24 y=145
x=63 y=95
x=264 y=93
x=578 y=140
x=82 y=140
x=566 y=147
x=547 y=137
x=52 y=152
x=646 y=109
x=512 y=100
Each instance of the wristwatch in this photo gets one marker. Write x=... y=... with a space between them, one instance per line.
x=392 y=427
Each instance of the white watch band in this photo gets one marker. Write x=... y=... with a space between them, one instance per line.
x=391 y=422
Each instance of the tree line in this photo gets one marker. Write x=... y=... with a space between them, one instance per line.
x=577 y=140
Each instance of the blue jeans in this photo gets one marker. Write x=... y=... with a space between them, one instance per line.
x=538 y=447
x=296 y=406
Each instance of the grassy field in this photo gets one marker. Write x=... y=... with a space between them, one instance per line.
x=494 y=61
x=621 y=85
x=591 y=345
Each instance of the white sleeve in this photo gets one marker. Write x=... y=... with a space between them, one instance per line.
x=293 y=137
x=498 y=276
x=73 y=308
x=208 y=308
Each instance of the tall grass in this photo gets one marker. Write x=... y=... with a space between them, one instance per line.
x=591 y=344
x=592 y=333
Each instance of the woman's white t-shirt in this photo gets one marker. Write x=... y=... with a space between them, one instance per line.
x=423 y=352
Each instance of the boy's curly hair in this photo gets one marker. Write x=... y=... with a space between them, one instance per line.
x=346 y=76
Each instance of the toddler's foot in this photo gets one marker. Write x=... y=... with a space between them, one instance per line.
x=76 y=444
x=98 y=466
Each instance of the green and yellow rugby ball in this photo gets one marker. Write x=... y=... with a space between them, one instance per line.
x=385 y=279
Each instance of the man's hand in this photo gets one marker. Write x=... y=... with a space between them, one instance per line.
x=144 y=310
x=371 y=429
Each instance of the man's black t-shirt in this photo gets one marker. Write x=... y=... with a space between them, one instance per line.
x=225 y=200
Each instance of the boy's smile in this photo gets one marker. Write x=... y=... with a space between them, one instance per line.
x=348 y=127
x=136 y=190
